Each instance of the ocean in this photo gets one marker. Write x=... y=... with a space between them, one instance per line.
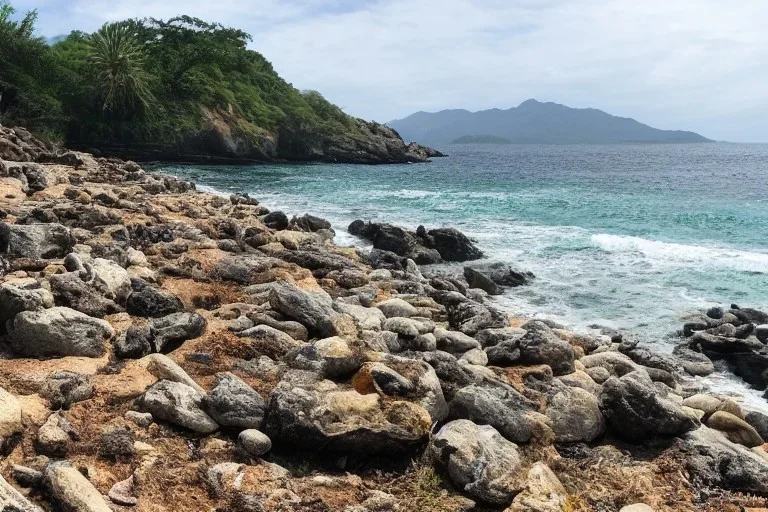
x=632 y=236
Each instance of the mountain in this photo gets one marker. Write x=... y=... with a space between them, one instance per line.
x=534 y=122
x=481 y=139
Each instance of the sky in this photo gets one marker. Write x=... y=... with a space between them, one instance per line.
x=699 y=65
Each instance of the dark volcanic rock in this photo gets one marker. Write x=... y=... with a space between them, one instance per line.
x=171 y=331
x=309 y=223
x=276 y=220
x=453 y=245
x=151 y=302
x=477 y=279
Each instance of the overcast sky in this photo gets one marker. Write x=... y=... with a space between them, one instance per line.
x=699 y=65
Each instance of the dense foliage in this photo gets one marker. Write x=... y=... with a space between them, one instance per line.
x=156 y=82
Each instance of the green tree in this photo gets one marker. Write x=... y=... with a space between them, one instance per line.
x=118 y=61
x=28 y=91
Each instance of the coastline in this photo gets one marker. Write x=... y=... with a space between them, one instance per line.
x=195 y=351
x=723 y=381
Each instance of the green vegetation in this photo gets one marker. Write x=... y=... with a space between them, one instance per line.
x=183 y=85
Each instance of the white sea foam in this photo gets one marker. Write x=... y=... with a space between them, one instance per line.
x=667 y=253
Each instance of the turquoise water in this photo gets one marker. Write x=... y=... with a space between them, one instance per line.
x=628 y=236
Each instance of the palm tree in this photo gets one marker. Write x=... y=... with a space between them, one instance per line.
x=118 y=60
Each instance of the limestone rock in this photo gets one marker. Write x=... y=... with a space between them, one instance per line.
x=397 y=308
x=501 y=407
x=254 y=442
x=12 y=500
x=58 y=332
x=72 y=490
x=10 y=414
x=233 y=403
x=479 y=461
x=575 y=415
x=735 y=429
x=35 y=241
x=635 y=411
x=543 y=492
x=314 y=310
x=178 y=404
x=301 y=415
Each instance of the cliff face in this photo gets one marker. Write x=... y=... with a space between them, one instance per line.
x=224 y=137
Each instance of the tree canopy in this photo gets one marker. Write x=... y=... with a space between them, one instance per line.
x=158 y=82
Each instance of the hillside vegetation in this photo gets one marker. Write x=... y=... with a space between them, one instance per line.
x=181 y=87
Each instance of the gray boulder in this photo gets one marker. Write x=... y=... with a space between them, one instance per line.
x=714 y=461
x=233 y=403
x=12 y=500
x=470 y=317
x=397 y=308
x=254 y=442
x=71 y=490
x=170 y=331
x=178 y=404
x=479 y=461
x=541 y=346
x=14 y=300
x=501 y=407
x=455 y=342
x=302 y=415
x=58 y=332
x=313 y=309
x=635 y=411
x=63 y=388
x=270 y=341
x=35 y=241
x=71 y=291
x=477 y=279
x=575 y=416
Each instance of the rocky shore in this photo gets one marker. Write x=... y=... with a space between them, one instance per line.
x=170 y=350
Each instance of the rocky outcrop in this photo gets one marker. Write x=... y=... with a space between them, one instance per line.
x=422 y=246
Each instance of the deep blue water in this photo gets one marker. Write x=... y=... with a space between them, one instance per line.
x=631 y=236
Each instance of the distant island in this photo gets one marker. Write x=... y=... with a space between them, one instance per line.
x=534 y=122
x=481 y=139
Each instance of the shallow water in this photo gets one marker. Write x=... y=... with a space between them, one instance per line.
x=626 y=236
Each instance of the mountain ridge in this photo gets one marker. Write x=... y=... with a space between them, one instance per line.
x=533 y=121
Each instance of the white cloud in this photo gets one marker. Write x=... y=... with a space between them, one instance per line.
x=689 y=64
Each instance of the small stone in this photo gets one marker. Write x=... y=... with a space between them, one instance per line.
x=123 y=493
x=52 y=440
x=254 y=442
x=141 y=419
x=116 y=442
